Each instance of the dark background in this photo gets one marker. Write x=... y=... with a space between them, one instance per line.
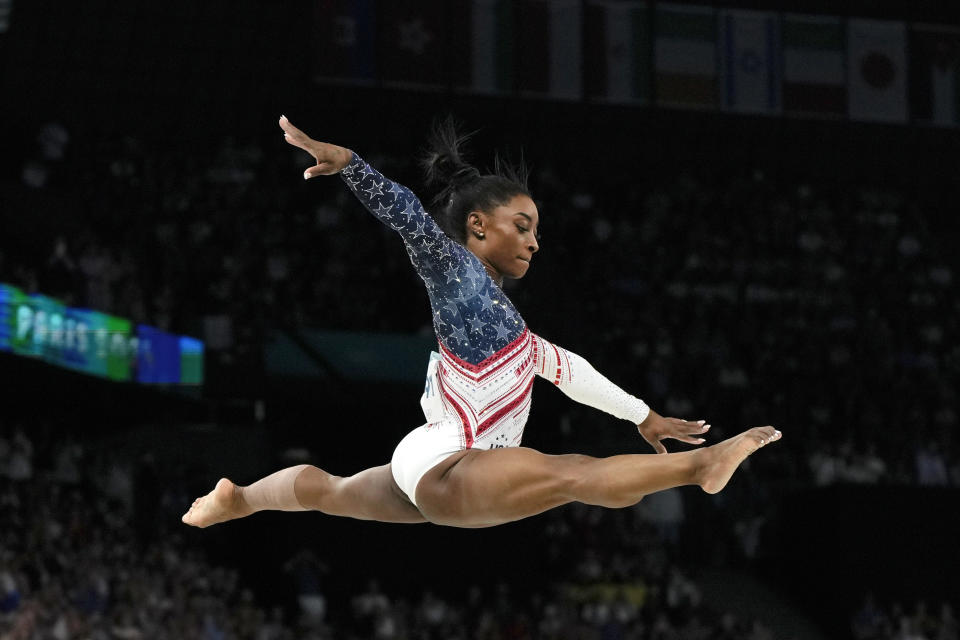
x=176 y=80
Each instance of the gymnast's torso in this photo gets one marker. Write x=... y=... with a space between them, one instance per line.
x=488 y=356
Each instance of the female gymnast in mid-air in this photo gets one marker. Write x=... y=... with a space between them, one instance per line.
x=465 y=467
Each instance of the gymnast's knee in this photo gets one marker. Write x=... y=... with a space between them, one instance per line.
x=316 y=489
x=590 y=486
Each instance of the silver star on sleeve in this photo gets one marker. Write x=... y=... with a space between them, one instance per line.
x=382 y=212
x=503 y=333
x=452 y=308
x=459 y=334
x=410 y=211
x=418 y=231
x=487 y=301
x=444 y=251
x=452 y=274
x=395 y=189
x=375 y=189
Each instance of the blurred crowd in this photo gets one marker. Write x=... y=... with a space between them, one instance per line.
x=92 y=548
x=871 y=621
x=819 y=306
x=822 y=307
x=80 y=556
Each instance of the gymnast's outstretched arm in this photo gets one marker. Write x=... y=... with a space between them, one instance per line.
x=390 y=202
x=581 y=382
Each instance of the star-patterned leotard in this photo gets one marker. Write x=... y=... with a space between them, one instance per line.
x=472 y=317
x=488 y=357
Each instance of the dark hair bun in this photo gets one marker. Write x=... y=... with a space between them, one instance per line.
x=458 y=187
x=443 y=163
x=464 y=175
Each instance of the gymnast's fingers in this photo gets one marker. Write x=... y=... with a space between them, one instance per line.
x=687 y=427
x=296 y=137
x=291 y=130
x=319 y=169
x=655 y=443
x=305 y=144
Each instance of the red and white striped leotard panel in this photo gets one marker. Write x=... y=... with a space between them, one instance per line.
x=488 y=403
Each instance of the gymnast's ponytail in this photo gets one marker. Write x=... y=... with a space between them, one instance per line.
x=459 y=186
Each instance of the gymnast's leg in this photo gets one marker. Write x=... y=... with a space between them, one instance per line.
x=486 y=488
x=372 y=494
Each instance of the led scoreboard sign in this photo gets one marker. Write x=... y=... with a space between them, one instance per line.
x=95 y=343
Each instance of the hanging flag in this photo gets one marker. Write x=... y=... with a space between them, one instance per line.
x=482 y=46
x=814 y=65
x=877 y=62
x=935 y=75
x=685 y=56
x=551 y=61
x=412 y=44
x=618 y=51
x=6 y=6
x=346 y=41
x=750 y=61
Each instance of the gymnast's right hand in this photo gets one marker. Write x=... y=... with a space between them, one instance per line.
x=330 y=158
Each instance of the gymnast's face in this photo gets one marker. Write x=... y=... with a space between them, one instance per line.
x=505 y=238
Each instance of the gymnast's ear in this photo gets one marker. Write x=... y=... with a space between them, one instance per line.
x=476 y=224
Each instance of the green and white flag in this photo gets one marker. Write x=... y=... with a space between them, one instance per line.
x=685 y=56
x=814 y=65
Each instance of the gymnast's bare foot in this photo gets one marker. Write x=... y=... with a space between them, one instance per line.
x=723 y=458
x=224 y=503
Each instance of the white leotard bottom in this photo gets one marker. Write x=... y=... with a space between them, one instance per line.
x=420 y=450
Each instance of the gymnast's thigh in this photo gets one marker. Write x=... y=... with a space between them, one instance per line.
x=482 y=488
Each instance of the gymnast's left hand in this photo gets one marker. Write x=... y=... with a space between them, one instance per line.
x=655 y=428
x=330 y=158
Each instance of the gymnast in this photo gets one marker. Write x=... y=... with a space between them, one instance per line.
x=465 y=467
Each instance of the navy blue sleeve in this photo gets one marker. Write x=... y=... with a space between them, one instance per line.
x=398 y=208
x=472 y=317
